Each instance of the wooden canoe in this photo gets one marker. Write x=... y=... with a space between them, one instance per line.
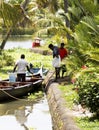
x=13 y=90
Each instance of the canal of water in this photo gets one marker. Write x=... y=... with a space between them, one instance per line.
x=25 y=115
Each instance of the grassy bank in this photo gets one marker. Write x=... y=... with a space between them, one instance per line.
x=34 y=58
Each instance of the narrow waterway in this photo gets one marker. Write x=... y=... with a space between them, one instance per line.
x=25 y=115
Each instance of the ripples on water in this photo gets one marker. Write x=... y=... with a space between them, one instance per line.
x=22 y=115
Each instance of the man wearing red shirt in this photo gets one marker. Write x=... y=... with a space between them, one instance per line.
x=63 y=53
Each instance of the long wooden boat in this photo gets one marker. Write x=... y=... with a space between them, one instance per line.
x=13 y=90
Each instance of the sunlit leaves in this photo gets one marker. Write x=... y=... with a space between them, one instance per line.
x=11 y=14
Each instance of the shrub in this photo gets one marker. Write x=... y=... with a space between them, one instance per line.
x=88 y=91
x=6 y=60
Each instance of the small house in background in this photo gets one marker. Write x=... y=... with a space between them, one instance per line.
x=36 y=42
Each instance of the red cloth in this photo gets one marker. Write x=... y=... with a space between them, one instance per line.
x=63 y=53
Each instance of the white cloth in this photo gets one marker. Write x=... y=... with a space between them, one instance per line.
x=56 y=62
x=21 y=66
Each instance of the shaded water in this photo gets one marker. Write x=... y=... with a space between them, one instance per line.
x=25 y=115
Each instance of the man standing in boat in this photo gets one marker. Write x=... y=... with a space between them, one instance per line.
x=21 y=66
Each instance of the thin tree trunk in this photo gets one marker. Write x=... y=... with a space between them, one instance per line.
x=24 y=4
x=5 y=39
x=66 y=20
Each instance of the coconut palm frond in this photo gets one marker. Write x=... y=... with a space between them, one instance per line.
x=12 y=14
x=75 y=11
x=90 y=23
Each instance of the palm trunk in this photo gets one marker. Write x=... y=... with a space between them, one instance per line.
x=66 y=20
x=5 y=39
x=24 y=4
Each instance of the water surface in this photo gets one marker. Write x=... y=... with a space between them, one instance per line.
x=25 y=115
x=19 y=43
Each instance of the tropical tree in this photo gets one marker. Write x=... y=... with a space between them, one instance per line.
x=83 y=63
x=52 y=19
x=86 y=33
x=12 y=16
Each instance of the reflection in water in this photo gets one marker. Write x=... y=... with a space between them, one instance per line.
x=40 y=118
x=22 y=115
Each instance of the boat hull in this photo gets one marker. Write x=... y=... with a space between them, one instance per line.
x=18 y=89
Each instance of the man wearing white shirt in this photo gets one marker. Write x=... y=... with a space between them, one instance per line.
x=21 y=66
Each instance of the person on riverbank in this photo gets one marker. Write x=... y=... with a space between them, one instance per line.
x=56 y=59
x=63 y=54
x=21 y=66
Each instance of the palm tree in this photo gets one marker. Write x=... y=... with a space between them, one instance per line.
x=83 y=63
x=52 y=18
x=12 y=16
x=86 y=34
x=66 y=19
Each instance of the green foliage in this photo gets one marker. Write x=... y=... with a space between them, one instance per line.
x=11 y=14
x=83 y=61
x=35 y=95
x=5 y=59
x=68 y=94
x=15 y=1
x=88 y=89
x=86 y=123
x=21 y=31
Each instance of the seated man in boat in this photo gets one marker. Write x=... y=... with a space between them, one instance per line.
x=31 y=67
x=21 y=66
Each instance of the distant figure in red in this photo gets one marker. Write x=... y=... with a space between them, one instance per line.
x=63 y=53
